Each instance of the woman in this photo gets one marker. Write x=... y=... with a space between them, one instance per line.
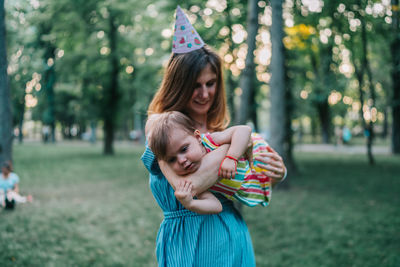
x=193 y=84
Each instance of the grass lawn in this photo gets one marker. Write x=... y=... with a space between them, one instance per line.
x=92 y=210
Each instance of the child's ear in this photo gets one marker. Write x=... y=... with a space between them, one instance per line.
x=197 y=134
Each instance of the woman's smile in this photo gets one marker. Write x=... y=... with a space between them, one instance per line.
x=203 y=94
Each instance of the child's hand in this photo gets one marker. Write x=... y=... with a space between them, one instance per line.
x=227 y=169
x=183 y=193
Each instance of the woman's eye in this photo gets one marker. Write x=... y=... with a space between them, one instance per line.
x=209 y=84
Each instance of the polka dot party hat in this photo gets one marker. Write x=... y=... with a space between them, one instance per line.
x=185 y=39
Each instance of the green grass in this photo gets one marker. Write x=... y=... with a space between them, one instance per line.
x=339 y=212
x=92 y=210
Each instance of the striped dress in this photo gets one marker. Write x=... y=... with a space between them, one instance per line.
x=186 y=238
x=249 y=186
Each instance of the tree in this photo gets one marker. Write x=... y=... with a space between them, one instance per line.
x=5 y=103
x=279 y=116
x=395 y=48
x=362 y=71
x=248 y=74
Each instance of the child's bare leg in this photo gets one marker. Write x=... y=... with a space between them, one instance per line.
x=2 y=198
x=18 y=198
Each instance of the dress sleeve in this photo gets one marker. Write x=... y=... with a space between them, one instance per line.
x=15 y=178
x=150 y=161
x=208 y=142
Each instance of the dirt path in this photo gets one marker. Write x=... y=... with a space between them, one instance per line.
x=341 y=149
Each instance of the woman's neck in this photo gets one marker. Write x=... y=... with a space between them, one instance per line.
x=200 y=123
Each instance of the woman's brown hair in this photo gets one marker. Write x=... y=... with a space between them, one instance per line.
x=179 y=83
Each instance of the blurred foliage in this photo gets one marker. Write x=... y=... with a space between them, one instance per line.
x=322 y=42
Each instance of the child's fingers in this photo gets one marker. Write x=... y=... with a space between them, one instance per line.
x=224 y=173
x=179 y=186
x=186 y=187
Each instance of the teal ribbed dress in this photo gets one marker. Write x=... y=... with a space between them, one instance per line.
x=187 y=239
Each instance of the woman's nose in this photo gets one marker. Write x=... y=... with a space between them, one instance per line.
x=204 y=92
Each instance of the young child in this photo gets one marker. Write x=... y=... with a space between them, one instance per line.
x=173 y=139
x=9 y=188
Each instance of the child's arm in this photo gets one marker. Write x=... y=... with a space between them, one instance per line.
x=204 y=177
x=206 y=202
x=240 y=139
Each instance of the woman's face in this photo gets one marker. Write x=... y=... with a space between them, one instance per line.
x=203 y=94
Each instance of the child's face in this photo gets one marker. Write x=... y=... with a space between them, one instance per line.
x=184 y=152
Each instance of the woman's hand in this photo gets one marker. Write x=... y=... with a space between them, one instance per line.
x=273 y=165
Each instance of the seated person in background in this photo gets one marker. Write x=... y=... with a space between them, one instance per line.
x=9 y=187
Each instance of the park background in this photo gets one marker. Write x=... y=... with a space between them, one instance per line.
x=77 y=76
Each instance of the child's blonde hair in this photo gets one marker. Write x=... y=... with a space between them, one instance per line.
x=162 y=127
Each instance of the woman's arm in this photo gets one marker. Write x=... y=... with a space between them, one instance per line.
x=204 y=177
x=206 y=203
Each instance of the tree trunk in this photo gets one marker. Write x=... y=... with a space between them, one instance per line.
x=385 y=123
x=370 y=128
x=5 y=101
x=19 y=112
x=395 y=49
x=248 y=74
x=111 y=96
x=253 y=109
x=324 y=118
x=50 y=100
x=48 y=83
x=278 y=114
x=360 y=72
x=229 y=79
x=289 y=160
x=277 y=83
x=326 y=81
x=321 y=72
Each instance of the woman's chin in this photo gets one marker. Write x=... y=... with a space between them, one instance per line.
x=200 y=109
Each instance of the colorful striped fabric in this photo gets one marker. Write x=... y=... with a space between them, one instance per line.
x=186 y=238
x=249 y=186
